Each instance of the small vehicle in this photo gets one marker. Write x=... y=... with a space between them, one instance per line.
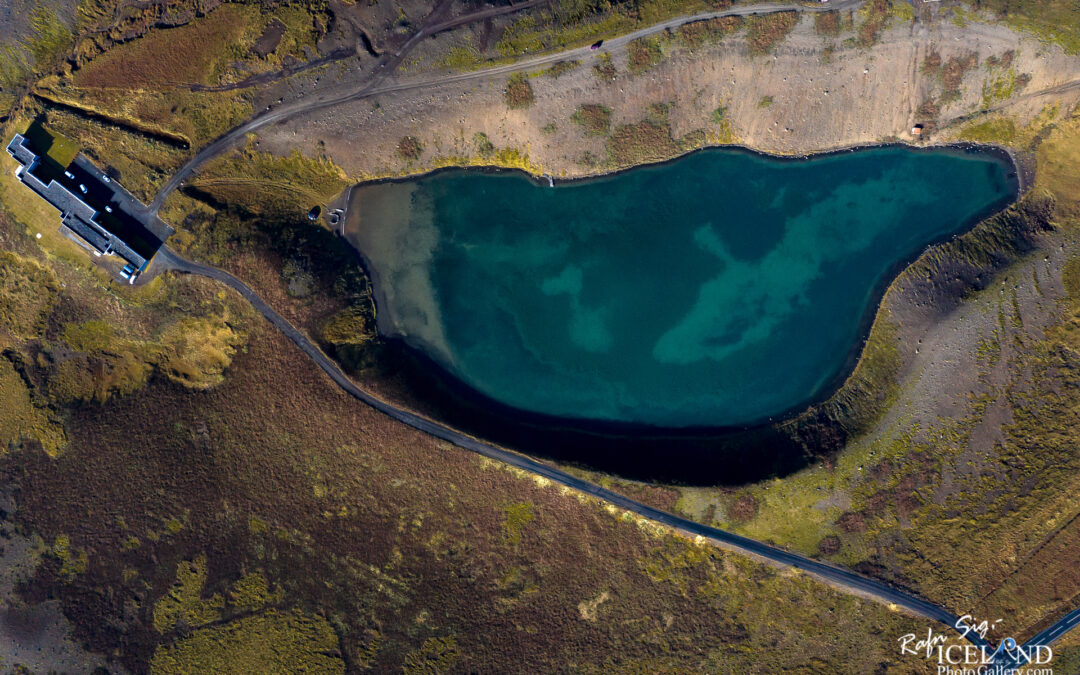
x=596 y=45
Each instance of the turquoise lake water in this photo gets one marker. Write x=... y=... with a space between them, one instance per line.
x=717 y=290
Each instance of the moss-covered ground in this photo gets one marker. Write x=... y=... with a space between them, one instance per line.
x=414 y=553
x=1056 y=21
x=961 y=490
x=225 y=506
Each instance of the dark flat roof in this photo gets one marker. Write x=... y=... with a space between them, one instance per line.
x=93 y=206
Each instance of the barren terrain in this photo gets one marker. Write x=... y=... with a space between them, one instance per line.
x=823 y=94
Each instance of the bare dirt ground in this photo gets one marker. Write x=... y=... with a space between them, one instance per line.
x=824 y=95
x=33 y=636
x=947 y=367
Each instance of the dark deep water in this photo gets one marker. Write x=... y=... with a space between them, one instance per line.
x=718 y=290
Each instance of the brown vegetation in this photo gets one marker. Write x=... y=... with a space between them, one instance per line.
x=743 y=509
x=409 y=148
x=827 y=23
x=594 y=118
x=518 y=92
x=829 y=545
x=765 y=31
x=641 y=143
x=194 y=53
x=928 y=111
x=642 y=54
x=950 y=72
x=699 y=33
x=561 y=68
x=877 y=13
x=605 y=68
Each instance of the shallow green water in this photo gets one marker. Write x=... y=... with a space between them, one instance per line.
x=720 y=289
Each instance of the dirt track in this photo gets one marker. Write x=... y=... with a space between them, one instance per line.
x=372 y=85
x=821 y=99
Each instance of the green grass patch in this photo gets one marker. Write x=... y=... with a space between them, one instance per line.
x=195 y=351
x=53 y=145
x=184 y=605
x=350 y=326
x=251 y=593
x=22 y=418
x=73 y=560
x=1058 y=162
x=273 y=643
x=484 y=146
x=436 y=655
x=52 y=38
x=28 y=291
x=1054 y=21
x=95 y=335
x=461 y=58
x=303 y=22
x=268 y=183
x=998 y=131
x=724 y=132
x=515 y=517
x=1000 y=86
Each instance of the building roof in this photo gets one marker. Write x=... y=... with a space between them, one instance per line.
x=93 y=207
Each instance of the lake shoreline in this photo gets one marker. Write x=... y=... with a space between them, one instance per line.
x=1025 y=173
x=767 y=444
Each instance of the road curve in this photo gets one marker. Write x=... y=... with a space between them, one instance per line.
x=829 y=573
x=374 y=86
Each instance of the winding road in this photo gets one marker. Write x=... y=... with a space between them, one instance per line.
x=374 y=85
x=832 y=574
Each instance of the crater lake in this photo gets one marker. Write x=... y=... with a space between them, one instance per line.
x=721 y=289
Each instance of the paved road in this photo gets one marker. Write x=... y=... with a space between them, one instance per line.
x=830 y=573
x=1045 y=638
x=374 y=86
